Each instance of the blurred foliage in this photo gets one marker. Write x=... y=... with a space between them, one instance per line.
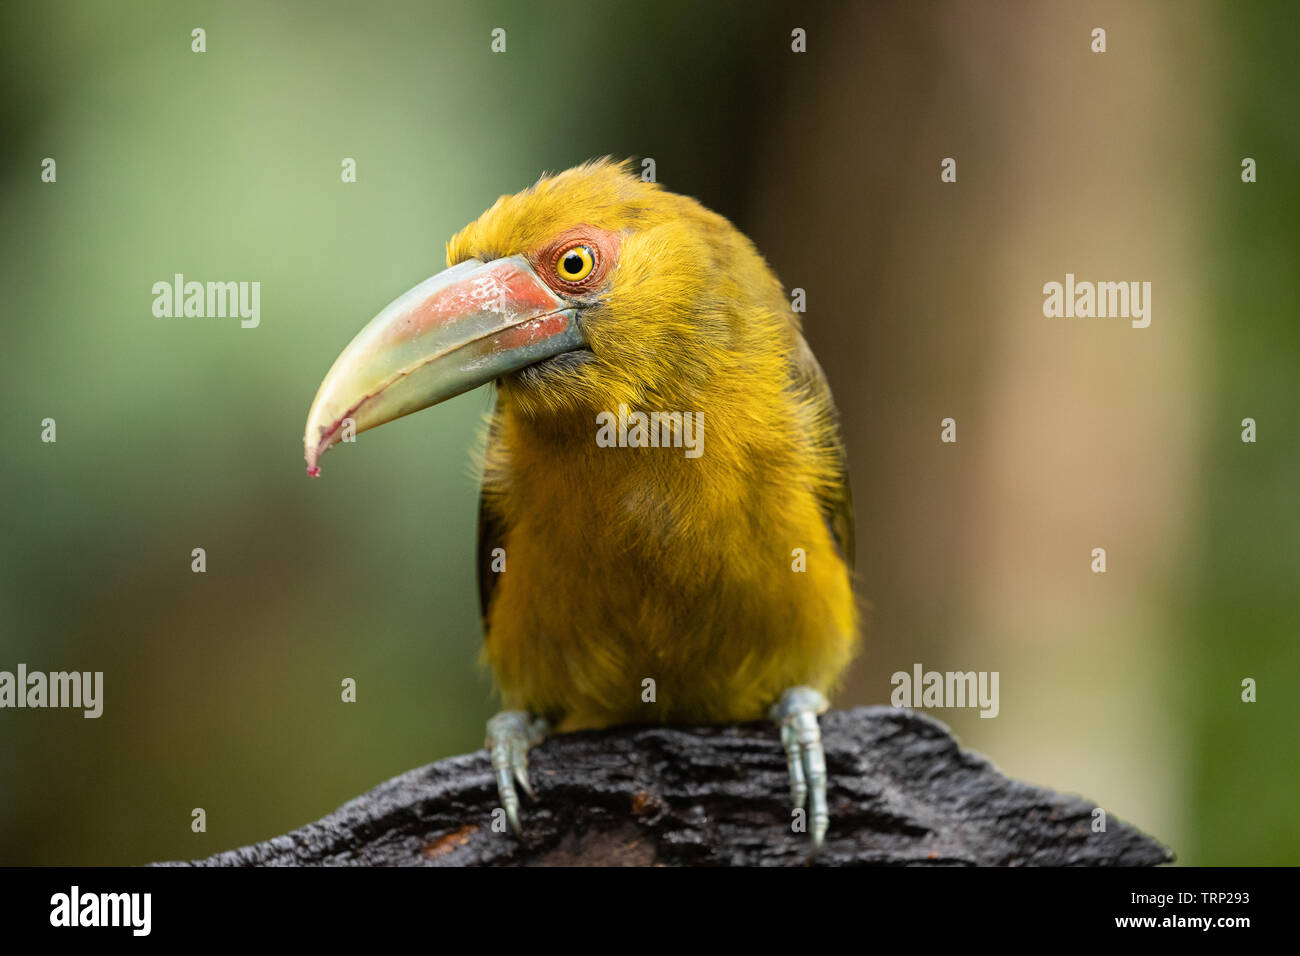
x=1243 y=585
x=222 y=689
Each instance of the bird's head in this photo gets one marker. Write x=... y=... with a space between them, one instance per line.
x=589 y=290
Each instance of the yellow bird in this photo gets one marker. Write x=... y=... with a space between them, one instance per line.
x=665 y=524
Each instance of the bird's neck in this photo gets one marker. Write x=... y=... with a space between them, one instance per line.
x=653 y=473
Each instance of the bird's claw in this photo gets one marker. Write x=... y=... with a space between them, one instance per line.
x=509 y=736
x=796 y=714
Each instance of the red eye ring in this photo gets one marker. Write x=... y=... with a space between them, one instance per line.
x=602 y=245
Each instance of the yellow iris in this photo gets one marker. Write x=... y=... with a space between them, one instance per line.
x=575 y=264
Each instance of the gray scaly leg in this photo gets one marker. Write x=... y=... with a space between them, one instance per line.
x=509 y=735
x=796 y=714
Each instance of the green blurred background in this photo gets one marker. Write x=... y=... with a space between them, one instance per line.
x=924 y=301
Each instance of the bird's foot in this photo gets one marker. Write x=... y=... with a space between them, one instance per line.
x=796 y=714
x=509 y=736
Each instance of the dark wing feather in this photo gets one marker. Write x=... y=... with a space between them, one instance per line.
x=491 y=535
x=808 y=382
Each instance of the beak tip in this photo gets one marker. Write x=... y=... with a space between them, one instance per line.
x=313 y=453
x=313 y=449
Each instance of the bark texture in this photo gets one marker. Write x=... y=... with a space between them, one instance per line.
x=901 y=792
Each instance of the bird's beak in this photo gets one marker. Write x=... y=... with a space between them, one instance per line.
x=462 y=328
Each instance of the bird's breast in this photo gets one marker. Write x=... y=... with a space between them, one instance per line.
x=645 y=589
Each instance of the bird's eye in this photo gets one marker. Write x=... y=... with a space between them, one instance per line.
x=575 y=264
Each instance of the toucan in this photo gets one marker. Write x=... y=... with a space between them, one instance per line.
x=691 y=564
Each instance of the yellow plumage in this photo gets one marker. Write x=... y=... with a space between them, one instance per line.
x=623 y=564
